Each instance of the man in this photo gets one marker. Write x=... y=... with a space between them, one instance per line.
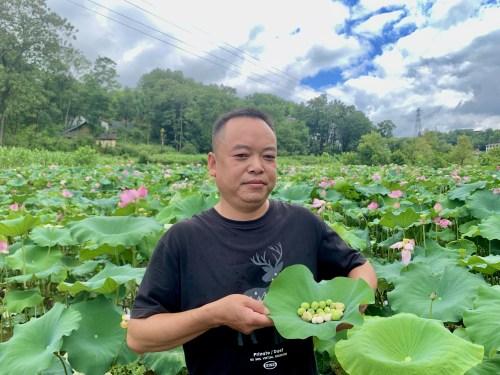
x=208 y=275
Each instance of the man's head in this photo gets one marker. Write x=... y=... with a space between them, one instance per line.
x=243 y=162
x=243 y=112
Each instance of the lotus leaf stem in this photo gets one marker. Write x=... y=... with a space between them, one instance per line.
x=62 y=362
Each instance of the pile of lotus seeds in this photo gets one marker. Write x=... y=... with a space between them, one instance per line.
x=322 y=311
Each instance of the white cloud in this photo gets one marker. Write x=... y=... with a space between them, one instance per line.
x=445 y=66
x=375 y=24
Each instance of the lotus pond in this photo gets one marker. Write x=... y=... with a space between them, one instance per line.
x=74 y=242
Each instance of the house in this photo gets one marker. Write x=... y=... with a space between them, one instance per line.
x=78 y=127
x=106 y=140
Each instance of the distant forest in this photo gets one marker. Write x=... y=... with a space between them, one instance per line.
x=45 y=83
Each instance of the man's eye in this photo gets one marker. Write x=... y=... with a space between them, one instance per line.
x=241 y=156
x=269 y=157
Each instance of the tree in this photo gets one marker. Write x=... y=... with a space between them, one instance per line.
x=33 y=46
x=373 y=149
x=463 y=151
x=385 y=128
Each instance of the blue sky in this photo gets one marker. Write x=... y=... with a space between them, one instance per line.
x=386 y=57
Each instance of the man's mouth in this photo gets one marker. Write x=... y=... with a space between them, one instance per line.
x=254 y=182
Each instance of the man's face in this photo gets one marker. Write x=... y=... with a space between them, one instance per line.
x=244 y=163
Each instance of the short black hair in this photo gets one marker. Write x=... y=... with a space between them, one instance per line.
x=242 y=112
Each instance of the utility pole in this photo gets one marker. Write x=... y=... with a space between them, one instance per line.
x=418 y=124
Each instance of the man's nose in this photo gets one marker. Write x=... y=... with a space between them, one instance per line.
x=255 y=165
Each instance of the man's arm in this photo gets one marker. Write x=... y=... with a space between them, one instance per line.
x=365 y=272
x=165 y=331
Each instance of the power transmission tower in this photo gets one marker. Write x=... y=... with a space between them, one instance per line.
x=418 y=124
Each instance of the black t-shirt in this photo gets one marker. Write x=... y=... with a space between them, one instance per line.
x=209 y=257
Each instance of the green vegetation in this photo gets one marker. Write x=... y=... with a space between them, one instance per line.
x=45 y=83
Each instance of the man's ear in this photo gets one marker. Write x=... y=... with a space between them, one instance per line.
x=212 y=163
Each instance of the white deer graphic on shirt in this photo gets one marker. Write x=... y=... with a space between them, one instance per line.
x=271 y=267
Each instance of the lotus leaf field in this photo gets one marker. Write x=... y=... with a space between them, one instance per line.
x=75 y=240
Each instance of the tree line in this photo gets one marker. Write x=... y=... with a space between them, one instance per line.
x=45 y=82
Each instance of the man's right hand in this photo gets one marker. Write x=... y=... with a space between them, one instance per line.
x=240 y=312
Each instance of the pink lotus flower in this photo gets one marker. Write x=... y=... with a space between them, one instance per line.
x=406 y=246
x=132 y=195
x=66 y=193
x=318 y=203
x=396 y=205
x=376 y=177
x=15 y=207
x=443 y=223
x=372 y=206
x=324 y=184
x=438 y=207
x=4 y=247
x=405 y=257
x=396 y=194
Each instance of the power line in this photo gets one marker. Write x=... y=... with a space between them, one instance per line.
x=169 y=42
x=230 y=51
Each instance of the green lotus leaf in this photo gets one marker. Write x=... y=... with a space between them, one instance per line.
x=489 y=366
x=355 y=238
x=483 y=204
x=85 y=268
x=185 y=207
x=487 y=265
x=31 y=348
x=114 y=230
x=299 y=193
x=93 y=347
x=295 y=284
x=490 y=228
x=52 y=236
x=56 y=367
x=404 y=220
x=33 y=259
x=332 y=196
x=482 y=323
x=463 y=247
x=17 y=300
x=166 y=363
x=93 y=251
x=406 y=344
x=17 y=226
x=464 y=191
x=434 y=256
x=391 y=272
x=373 y=189
x=454 y=290
x=106 y=281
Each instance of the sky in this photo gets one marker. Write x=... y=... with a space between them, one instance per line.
x=388 y=58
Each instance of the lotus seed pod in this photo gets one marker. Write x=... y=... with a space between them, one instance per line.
x=336 y=314
x=338 y=306
x=319 y=311
x=304 y=305
x=329 y=301
x=311 y=311
x=314 y=305
x=327 y=310
x=301 y=311
x=307 y=316
x=322 y=304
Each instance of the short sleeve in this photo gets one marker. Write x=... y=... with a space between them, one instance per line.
x=335 y=258
x=159 y=291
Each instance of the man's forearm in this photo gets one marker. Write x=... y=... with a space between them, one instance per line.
x=166 y=331
x=365 y=272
